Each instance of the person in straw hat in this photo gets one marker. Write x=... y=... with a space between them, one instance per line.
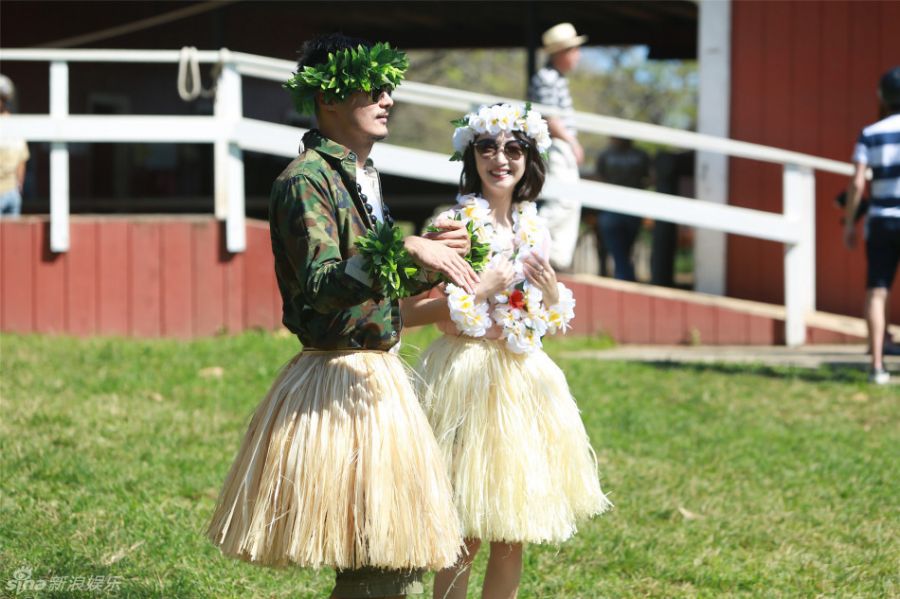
x=339 y=467
x=13 y=156
x=549 y=86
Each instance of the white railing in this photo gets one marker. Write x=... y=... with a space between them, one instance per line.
x=231 y=134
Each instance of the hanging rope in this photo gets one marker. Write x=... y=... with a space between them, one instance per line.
x=190 y=86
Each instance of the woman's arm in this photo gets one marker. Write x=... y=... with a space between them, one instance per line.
x=424 y=308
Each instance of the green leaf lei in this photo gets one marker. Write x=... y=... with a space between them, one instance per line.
x=393 y=268
x=347 y=71
x=388 y=261
x=479 y=251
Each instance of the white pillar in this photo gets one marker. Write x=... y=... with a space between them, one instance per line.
x=711 y=170
x=59 y=161
x=799 y=192
x=229 y=159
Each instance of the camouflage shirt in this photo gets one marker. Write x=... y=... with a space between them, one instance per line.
x=315 y=215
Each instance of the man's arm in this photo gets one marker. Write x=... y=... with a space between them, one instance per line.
x=854 y=195
x=543 y=91
x=558 y=130
x=305 y=223
x=20 y=168
x=308 y=230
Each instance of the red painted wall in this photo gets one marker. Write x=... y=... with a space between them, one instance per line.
x=162 y=276
x=804 y=77
x=170 y=276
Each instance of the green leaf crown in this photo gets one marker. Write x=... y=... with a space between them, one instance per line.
x=347 y=71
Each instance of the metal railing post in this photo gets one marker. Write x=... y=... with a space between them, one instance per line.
x=799 y=191
x=59 y=160
x=229 y=159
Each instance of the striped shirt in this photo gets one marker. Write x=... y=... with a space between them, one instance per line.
x=548 y=86
x=879 y=148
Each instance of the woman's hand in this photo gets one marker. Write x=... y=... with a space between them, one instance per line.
x=494 y=280
x=539 y=273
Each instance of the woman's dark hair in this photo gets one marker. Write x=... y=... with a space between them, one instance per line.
x=529 y=186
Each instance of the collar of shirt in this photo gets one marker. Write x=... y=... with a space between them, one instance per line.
x=332 y=150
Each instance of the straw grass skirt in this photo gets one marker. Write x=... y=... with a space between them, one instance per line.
x=520 y=461
x=339 y=468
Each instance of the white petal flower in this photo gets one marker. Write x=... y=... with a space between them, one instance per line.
x=524 y=342
x=496 y=119
x=527 y=209
x=470 y=318
x=477 y=121
x=533 y=298
x=446 y=215
x=533 y=123
x=501 y=240
x=560 y=314
x=506 y=116
x=462 y=137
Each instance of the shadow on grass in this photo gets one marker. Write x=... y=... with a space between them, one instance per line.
x=835 y=372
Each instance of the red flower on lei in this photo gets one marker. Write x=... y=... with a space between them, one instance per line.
x=517 y=299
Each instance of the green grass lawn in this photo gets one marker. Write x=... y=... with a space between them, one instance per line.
x=728 y=481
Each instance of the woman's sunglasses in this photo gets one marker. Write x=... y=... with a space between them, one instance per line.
x=488 y=148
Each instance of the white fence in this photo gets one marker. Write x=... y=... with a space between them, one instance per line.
x=231 y=134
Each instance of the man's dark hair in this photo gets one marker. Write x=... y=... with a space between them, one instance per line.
x=316 y=50
x=889 y=89
x=529 y=186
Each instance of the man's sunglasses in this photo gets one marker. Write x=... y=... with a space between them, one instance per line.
x=377 y=91
x=488 y=148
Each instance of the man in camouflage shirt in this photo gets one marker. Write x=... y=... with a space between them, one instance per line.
x=317 y=211
x=327 y=198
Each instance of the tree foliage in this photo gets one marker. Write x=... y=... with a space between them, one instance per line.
x=618 y=82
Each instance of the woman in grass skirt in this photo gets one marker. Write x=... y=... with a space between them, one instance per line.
x=520 y=461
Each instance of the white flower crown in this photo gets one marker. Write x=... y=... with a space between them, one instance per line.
x=500 y=117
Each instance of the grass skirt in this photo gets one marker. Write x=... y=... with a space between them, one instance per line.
x=520 y=461
x=339 y=468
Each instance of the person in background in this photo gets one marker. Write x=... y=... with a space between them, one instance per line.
x=621 y=164
x=878 y=148
x=13 y=156
x=549 y=86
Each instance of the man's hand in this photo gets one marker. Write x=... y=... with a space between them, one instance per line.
x=850 y=235
x=435 y=255
x=578 y=151
x=452 y=234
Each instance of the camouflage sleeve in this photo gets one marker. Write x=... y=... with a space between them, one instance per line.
x=308 y=228
x=427 y=280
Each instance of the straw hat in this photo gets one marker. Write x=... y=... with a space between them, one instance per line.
x=7 y=89
x=561 y=37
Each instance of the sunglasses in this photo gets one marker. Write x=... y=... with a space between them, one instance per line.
x=377 y=91
x=488 y=148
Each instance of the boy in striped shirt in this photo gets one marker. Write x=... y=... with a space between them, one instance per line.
x=878 y=148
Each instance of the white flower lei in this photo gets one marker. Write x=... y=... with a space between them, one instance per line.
x=520 y=309
x=501 y=117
